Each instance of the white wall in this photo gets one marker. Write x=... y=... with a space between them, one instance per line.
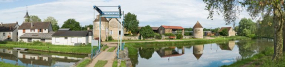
x=26 y=40
x=69 y=41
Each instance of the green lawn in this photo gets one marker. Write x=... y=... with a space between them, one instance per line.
x=84 y=63
x=101 y=63
x=111 y=49
x=115 y=63
x=2 y=64
x=48 y=47
x=104 y=47
x=123 y=64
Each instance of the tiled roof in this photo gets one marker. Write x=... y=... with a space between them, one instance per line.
x=197 y=25
x=36 y=25
x=8 y=27
x=38 y=35
x=172 y=27
x=228 y=29
x=102 y=19
x=70 y=33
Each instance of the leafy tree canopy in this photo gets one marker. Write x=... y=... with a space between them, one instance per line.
x=131 y=22
x=72 y=24
x=34 y=18
x=53 y=21
x=147 y=32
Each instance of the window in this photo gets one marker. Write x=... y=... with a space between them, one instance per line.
x=24 y=30
x=43 y=40
x=29 y=39
x=65 y=37
x=119 y=32
x=4 y=34
x=40 y=30
x=111 y=32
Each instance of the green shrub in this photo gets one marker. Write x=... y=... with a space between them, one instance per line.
x=224 y=32
x=169 y=34
x=110 y=38
x=251 y=35
x=158 y=36
x=179 y=36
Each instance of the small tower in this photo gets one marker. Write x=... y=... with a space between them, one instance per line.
x=27 y=17
x=198 y=30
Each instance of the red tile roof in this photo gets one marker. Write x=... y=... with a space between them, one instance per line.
x=172 y=27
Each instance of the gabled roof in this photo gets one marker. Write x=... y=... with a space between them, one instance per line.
x=227 y=28
x=70 y=33
x=37 y=35
x=36 y=25
x=172 y=27
x=102 y=19
x=197 y=25
x=8 y=27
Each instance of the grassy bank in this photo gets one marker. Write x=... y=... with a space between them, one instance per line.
x=84 y=63
x=111 y=49
x=48 y=47
x=115 y=63
x=263 y=59
x=2 y=64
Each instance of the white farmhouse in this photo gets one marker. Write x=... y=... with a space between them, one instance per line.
x=35 y=31
x=67 y=37
x=9 y=31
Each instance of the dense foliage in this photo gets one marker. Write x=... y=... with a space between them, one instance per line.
x=246 y=27
x=179 y=36
x=72 y=24
x=53 y=21
x=147 y=32
x=131 y=23
x=224 y=32
x=169 y=34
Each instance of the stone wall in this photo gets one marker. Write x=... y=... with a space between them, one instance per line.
x=187 y=37
x=131 y=38
x=198 y=32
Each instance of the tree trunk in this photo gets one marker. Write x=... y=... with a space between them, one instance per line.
x=278 y=35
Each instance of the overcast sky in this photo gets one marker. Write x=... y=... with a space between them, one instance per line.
x=183 y=13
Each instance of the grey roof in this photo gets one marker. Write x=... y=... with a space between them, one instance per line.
x=36 y=25
x=70 y=33
x=38 y=35
x=8 y=27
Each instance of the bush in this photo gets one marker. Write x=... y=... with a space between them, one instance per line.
x=147 y=32
x=157 y=36
x=169 y=34
x=179 y=36
x=224 y=32
x=110 y=38
x=251 y=36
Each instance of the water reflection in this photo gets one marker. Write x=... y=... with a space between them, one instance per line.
x=206 y=55
x=28 y=59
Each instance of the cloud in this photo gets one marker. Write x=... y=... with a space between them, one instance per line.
x=149 y=12
x=7 y=0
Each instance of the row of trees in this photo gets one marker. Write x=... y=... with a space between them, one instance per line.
x=70 y=23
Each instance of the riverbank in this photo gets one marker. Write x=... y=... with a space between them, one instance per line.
x=47 y=47
x=262 y=59
x=2 y=64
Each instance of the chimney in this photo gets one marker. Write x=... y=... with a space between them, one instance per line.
x=17 y=22
x=1 y=23
x=88 y=28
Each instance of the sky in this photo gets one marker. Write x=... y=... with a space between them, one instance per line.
x=155 y=13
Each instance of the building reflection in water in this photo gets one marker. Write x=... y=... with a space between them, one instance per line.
x=227 y=46
x=169 y=52
x=198 y=51
x=34 y=58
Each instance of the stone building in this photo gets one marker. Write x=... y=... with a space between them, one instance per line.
x=198 y=51
x=115 y=28
x=230 y=30
x=198 y=30
x=171 y=29
x=104 y=28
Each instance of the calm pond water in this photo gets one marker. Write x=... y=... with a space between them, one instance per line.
x=202 y=55
x=38 y=59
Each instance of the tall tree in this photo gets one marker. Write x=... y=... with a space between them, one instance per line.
x=72 y=24
x=231 y=8
x=53 y=21
x=34 y=18
x=131 y=22
x=247 y=24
